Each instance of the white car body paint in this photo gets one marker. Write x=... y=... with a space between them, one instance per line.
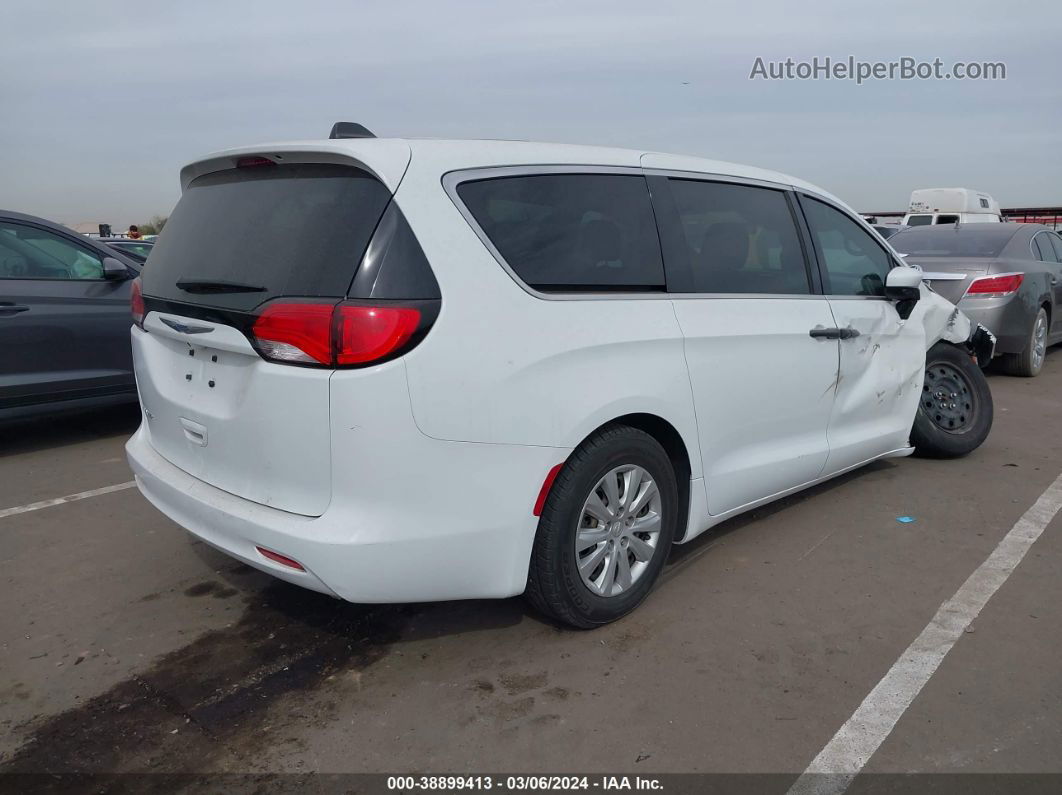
x=414 y=479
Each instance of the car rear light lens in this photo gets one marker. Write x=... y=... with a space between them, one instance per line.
x=283 y=560
x=336 y=335
x=300 y=333
x=367 y=333
x=996 y=285
x=136 y=303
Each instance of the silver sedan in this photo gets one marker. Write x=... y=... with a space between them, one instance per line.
x=1008 y=277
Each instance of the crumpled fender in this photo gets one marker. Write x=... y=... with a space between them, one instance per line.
x=942 y=320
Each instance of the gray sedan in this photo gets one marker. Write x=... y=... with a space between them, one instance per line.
x=1008 y=277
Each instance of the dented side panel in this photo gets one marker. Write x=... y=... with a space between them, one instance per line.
x=882 y=369
x=880 y=380
x=943 y=321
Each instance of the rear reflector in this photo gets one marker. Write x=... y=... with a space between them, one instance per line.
x=547 y=484
x=281 y=559
x=136 y=303
x=337 y=334
x=1003 y=284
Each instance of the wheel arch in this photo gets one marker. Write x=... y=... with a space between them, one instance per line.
x=1040 y=292
x=677 y=451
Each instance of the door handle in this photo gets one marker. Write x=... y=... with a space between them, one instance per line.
x=820 y=333
x=194 y=432
x=12 y=309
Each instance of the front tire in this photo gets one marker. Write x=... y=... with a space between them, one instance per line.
x=1030 y=361
x=955 y=409
x=606 y=529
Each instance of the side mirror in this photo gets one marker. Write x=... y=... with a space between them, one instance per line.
x=113 y=269
x=903 y=284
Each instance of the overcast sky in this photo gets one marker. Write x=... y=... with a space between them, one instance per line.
x=103 y=102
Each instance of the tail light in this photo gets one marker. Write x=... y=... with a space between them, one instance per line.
x=339 y=335
x=1004 y=284
x=136 y=303
x=366 y=334
x=297 y=333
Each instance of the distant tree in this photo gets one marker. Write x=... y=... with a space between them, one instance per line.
x=154 y=226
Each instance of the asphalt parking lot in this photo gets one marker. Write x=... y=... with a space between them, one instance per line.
x=126 y=646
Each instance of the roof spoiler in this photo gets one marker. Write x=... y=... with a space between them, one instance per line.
x=349 y=129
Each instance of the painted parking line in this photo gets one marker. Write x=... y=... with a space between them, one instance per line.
x=847 y=753
x=81 y=495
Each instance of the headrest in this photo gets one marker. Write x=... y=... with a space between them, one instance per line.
x=600 y=240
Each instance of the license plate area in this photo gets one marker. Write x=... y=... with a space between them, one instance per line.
x=223 y=414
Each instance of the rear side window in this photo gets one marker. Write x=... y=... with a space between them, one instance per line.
x=1042 y=242
x=1056 y=241
x=854 y=262
x=571 y=232
x=243 y=236
x=740 y=239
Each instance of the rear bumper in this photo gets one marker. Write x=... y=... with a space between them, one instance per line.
x=1006 y=317
x=465 y=533
x=231 y=524
x=982 y=344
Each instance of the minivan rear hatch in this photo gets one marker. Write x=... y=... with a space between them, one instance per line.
x=240 y=238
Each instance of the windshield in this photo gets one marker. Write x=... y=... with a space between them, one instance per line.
x=978 y=240
x=140 y=250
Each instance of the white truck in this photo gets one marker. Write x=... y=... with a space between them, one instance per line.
x=949 y=206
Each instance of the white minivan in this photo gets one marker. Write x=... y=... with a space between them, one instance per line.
x=411 y=370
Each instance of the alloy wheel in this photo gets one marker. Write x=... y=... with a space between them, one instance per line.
x=1039 y=341
x=619 y=527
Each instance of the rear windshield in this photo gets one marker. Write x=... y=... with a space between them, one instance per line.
x=980 y=240
x=246 y=235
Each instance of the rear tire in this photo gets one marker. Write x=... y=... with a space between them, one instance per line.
x=586 y=571
x=955 y=410
x=1030 y=361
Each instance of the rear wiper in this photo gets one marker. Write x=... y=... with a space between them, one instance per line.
x=207 y=286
